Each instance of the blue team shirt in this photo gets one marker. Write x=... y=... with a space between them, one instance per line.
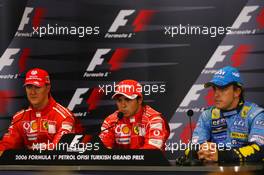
x=234 y=128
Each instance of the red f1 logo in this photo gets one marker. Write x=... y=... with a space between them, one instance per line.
x=97 y=59
x=6 y=59
x=38 y=15
x=92 y=101
x=76 y=99
x=244 y=16
x=25 y=18
x=115 y=61
x=218 y=55
x=120 y=20
x=142 y=19
x=192 y=95
x=237 y=58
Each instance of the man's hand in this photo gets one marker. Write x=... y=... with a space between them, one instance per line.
x=208 y=152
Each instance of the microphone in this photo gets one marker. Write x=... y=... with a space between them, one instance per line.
x=91 y=136
x=190 y=114
x=190 y=161
x=120 y=115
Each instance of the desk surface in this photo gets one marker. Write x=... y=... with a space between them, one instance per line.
x=153 y=162
x=205 y=168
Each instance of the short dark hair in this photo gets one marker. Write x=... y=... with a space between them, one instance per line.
x=143 y=103
x=242 y=96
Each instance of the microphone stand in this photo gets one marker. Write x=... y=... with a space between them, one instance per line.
x=120 y=115
x=94 y=136
x=191 y=161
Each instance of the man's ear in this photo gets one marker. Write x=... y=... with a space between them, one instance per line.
x=48 y=87
x=238 y=91
x=140 y=100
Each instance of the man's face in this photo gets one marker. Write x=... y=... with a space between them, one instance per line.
x=226 y=98
x=38 y=96
x=127 y=106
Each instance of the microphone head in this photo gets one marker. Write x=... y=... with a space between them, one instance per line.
x=190 y=112
x=120 y=115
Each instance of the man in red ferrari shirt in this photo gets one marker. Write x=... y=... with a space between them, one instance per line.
x=43 y=123
x=134 y=125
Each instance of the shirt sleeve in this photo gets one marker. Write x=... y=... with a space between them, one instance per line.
x=66 y=126
x=254 y=151
x=157 y=133
x=250 y=153
x=107 y=134
x=202 y=131
x=256 y=134
x=13 y=138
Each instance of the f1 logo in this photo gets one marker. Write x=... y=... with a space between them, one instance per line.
x=218 y=55
x=237 y=58
x=142 y=19
x=92 y=101
x=76 y=99
x=115 y=61
x=120 y=20
x=76 y=140
x=6 y=59
x=244 y=16
x=38 y=15
x=25 y=18
x=192 y=95
x=97 y=59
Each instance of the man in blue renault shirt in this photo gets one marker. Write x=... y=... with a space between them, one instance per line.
x=233 y=129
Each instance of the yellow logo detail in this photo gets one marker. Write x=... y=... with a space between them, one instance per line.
x=186 y=152
x=125 y=130
x=34 y=125
x=45 y=125
x=136 y=130
x=215 y=113
x=248 y=150
x=238 y=135
x=244 y=111
x=256 y=147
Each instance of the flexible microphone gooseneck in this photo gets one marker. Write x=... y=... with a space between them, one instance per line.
x=190 y=114
x=120 y=115
x=190 y=161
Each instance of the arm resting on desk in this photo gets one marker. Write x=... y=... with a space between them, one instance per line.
x=252 y=152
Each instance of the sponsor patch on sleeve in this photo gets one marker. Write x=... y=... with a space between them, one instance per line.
x=259 y=124
x=257 y=138
x=51 y=127
x=156 y=126
x=66 y=126
x=195 y=139
x=155 y=142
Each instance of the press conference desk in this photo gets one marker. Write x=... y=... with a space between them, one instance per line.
x=110 y=162
x=172 y=168
x=248 y=169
